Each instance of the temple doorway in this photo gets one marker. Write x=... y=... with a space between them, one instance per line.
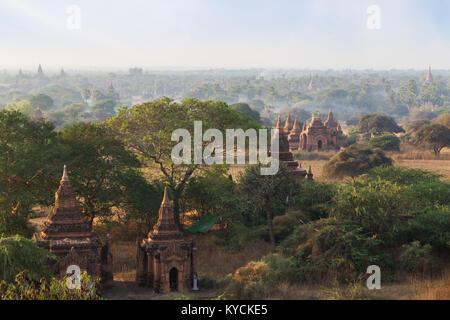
x=173 y=276
x=319 y=145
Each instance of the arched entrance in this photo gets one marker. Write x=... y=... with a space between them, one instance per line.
x=173 y=276
x=319 y=145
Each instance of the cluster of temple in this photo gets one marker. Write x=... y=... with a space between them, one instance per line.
x=165 y=260
x=69 y=236
x=317 y=136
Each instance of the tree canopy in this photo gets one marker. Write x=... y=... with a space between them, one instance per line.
x=433 y=136
x=146 y=129
x=378 y=124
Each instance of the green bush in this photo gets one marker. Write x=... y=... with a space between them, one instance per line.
x=375 y=206
x=283 y=226
x=19 y=254
x=352 y=139
x=26 y=288
x=14 y=224
x=385 y=142
x=282 y=269
x=314 y=198
x=333 y=249
x=431 y=227
x=416 y=258
x=248 y=282
x=355 y=160
x=399 y=175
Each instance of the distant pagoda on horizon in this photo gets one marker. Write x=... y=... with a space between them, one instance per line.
x=429 y=78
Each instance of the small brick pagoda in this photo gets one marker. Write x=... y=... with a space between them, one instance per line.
x=284 y=155
x=165 y=260
x=68 y=235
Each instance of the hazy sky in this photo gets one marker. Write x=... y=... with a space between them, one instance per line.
x=224 y=33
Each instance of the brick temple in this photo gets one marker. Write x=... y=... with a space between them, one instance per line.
x=165 y=260
x=284 y=154
x=316 y=136
x=68 y=235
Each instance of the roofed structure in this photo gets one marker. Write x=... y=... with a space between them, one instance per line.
x=318 y=135
x=68 y=235
x=165 y=260
x=284 y=155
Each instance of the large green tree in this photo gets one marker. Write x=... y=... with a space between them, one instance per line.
x=103 y=173
x=27 y=156
x=42 y=100
x=433 y=136
x=147 y=129
x=378 y=124
x=245 y=110
x=263 y=195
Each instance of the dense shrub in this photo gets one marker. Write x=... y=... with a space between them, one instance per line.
x=25 y=288
x=248 y=282
x=416 y=258
x=400 y=175
x=333 y=249
x=355 y=160
x=314 y=198
x=374 y=206
x=19 y=254
x=385 y=142
x=14 y=224
x=431 y=227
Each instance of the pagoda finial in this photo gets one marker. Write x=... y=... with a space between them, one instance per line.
x=429 y=77
x=279 y=126
x=296 y=126
x=166 y=201
x=65 y=176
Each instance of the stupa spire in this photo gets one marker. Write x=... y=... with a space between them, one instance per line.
x=65 y=176
x=296 y=126
x=429 y=78
x=166 y=201
x=166 y=228
x=279 y=126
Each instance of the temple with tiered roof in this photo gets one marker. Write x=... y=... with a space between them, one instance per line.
x=320 y=136
x=165 y=260
x=284 y=155
x=69 y=236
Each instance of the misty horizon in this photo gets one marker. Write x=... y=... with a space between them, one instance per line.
x=198 y=34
